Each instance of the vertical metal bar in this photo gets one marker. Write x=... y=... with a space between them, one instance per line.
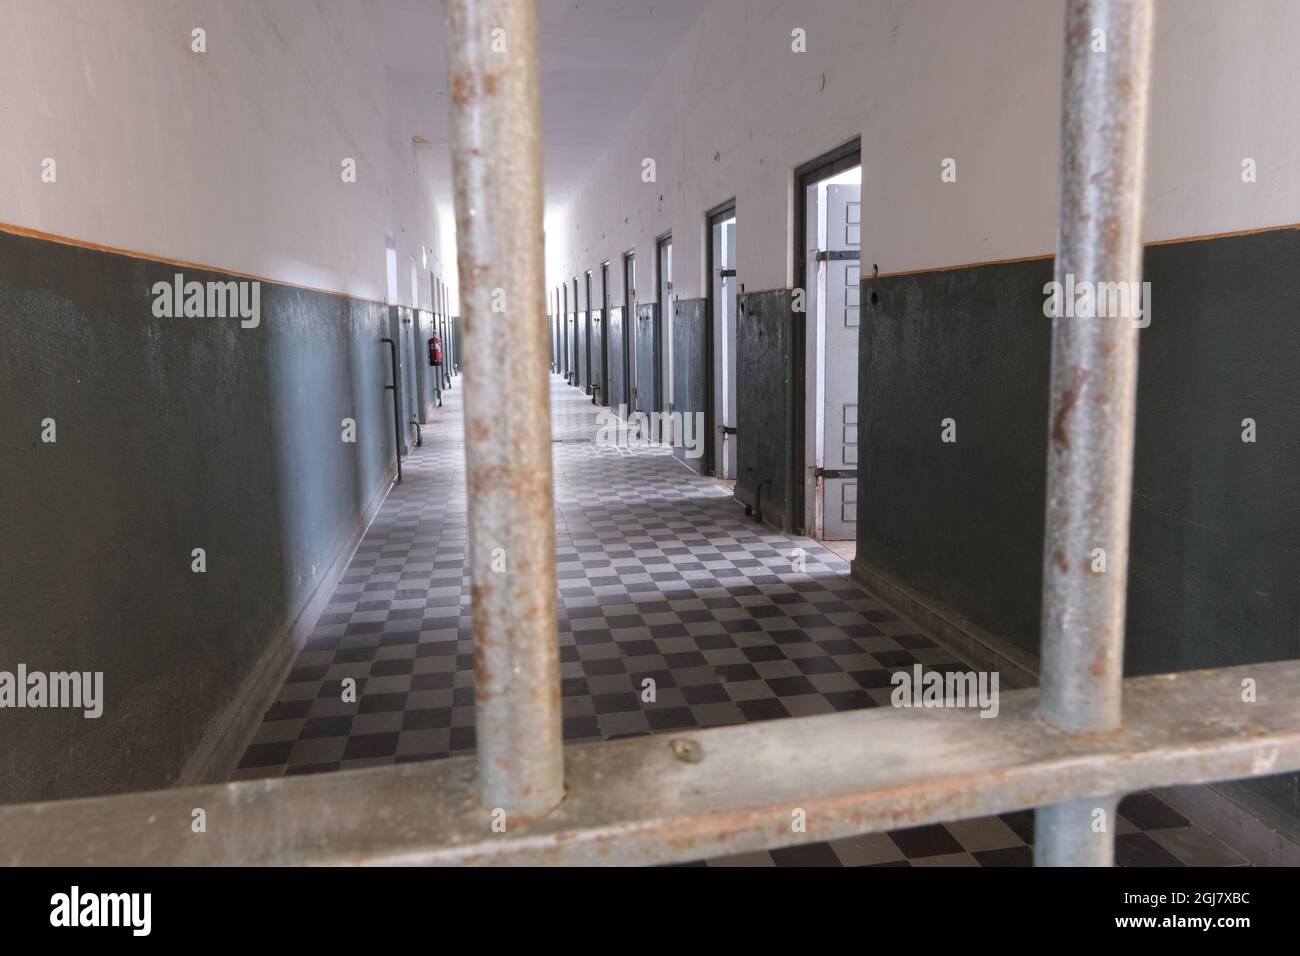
x=1068 y=834
x=397 y=403
x=494 y=81
x=1093 y=395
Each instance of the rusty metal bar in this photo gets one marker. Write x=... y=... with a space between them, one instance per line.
x=1093 y=391
x=701 y=793
x=494 y=82
x=1076 y=832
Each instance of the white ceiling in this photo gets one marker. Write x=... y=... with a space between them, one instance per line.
x=597 y=58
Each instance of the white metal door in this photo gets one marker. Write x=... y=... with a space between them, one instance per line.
x=724 y=365
x=841 y=271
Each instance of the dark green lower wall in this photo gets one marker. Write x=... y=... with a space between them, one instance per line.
x=960 y=522
x=172 y=434
x=763 y=414
x=1215 y=563
x=690 y=372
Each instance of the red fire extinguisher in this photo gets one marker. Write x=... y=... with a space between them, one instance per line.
x=435 y=351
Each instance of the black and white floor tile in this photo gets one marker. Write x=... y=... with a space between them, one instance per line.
x=660 y=575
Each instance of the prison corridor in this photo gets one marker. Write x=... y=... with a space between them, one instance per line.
x=662 y=577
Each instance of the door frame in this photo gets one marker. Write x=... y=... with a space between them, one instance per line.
x=663 y=331
x=577 y=313
x=629 y=328
x=718 y=214
x=564 y=327
x=606 y=398
x=823 y=167
x=586 y=344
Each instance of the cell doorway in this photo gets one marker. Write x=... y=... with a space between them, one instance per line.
x=722 y=306
x=831 y=249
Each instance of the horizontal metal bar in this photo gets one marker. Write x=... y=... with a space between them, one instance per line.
x=837 y=473
x=839 y=255
x=700 y=793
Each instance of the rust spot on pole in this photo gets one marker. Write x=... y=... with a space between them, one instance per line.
x=1099 y=668
x=464 y=91
x=1060 y=433
x=482 y=674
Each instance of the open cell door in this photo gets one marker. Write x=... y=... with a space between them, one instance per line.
x=841 y=271
x=723 y=262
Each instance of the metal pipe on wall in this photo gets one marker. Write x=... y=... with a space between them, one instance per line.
x=397 y=404
x=1093 y=397
x=494 y=79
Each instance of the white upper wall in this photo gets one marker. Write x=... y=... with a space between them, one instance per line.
x=230 y=159
x=736 y=111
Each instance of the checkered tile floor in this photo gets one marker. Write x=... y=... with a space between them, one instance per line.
x=660 y=576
